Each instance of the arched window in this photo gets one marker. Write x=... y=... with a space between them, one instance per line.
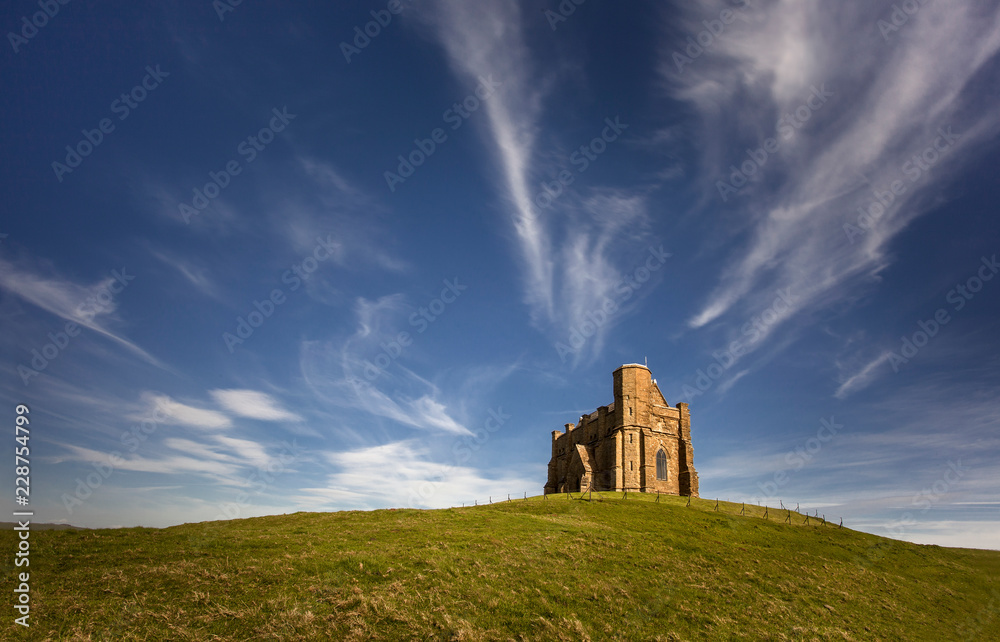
x=661 y=465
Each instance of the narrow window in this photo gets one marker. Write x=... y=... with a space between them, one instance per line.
x=661 y=465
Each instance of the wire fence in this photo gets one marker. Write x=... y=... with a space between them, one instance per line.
x=782 y=513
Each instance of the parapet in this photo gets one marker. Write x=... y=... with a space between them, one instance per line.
x=632 y=365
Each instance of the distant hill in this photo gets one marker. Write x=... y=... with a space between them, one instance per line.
x=7 y=526
x=536 y=569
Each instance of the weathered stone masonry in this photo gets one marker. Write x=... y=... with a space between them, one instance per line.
x=637 y=443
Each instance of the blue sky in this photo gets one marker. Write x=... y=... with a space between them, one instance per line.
x=262 y=259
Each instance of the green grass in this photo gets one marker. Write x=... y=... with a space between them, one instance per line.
x=536 y=569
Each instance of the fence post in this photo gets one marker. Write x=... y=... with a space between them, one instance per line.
x=788 y=519
x=717 y=504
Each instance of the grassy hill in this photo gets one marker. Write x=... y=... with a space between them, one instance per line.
x=536 y=569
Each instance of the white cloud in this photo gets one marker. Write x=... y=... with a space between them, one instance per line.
x=222 y=448
x=249 y=452
x=400 y=474
x=253 y=404
x=176 y=413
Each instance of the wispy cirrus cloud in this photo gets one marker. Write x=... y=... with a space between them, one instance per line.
x=196 y=460
x=194 y=271
x=486 y=40
x=862 y=378
x=572 y=251
x=346 y=375
x=413 y=402
x=424 y=411
x=889 y=101
x=169 y=411
x=253 y=404
x=92 y=306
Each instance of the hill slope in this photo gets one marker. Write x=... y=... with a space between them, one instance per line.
x=536 y=569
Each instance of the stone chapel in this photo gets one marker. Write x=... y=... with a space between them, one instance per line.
x=637 y=443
